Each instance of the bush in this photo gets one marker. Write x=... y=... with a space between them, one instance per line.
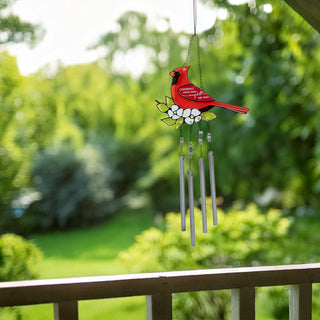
x=80 y=187
x=19 y=258
x=242 y=238
x=73 y=188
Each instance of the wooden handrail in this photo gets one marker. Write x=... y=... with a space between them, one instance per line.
x=307 y=9
x=161 y=285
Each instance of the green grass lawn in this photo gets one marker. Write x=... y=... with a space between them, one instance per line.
x=92 y=252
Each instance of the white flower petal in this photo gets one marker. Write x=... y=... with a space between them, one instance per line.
x=175 y=117
x=174 y=107
x=180 y=112
x=197 y=119
x=170 y=113
x=189 y=120
x=195 y=112
x=186 y=113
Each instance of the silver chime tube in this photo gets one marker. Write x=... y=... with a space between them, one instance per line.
x=182 y=194
x=213 y=187
x=203 y=195
x=191 y=208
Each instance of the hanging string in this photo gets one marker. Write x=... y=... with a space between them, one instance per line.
x=196 y=37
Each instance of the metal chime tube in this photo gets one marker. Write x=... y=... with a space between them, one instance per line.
x=213 y=187
x=182 y=194
x=202 y=186
x=191 y=208
x=203 y=196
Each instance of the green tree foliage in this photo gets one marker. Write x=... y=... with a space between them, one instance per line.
x=255 y=57
x=274 y=55
x=78 y=106
x=161 y=46
x=13 y=160
x=13 y=29
x=242 y=238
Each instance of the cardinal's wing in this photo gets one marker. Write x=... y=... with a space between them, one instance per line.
x=193 y=93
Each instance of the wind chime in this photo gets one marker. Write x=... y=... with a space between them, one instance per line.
x=190 y=105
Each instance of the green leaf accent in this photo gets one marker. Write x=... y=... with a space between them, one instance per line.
x=179 y=123
x=169 y=102
x=162 y=107
x=207 y=116
x=169 y=121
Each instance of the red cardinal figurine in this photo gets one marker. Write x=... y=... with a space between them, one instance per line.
x=187 y=95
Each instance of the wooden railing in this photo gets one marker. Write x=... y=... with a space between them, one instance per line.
x=159 y=287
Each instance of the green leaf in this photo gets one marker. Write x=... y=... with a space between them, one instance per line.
x=169 y=121
x=207 y=116
x=179 y=123
x=169 y=102
x=162 y=107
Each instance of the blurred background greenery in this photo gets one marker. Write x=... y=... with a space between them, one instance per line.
x=85 y=160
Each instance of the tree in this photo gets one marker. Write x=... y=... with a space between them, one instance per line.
x=278 y=141
x=13 y=161
x=14 y=30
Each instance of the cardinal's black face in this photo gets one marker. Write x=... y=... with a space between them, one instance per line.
x=175 y=75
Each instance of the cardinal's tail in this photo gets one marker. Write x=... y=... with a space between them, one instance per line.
x=231 y=107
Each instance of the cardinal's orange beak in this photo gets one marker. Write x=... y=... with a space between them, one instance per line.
x=172 y=74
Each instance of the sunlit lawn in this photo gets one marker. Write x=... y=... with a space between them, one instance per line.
x=92 y=252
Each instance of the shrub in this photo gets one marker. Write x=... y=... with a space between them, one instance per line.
x=242 y=238
x=79 y=187
x=19 y=258
x=73 y=188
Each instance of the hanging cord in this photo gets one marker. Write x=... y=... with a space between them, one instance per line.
x=196 y=37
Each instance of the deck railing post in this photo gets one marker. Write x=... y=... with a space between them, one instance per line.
x=300 y=301
x=67 y=310
x=159 y=306
x=243 y=304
